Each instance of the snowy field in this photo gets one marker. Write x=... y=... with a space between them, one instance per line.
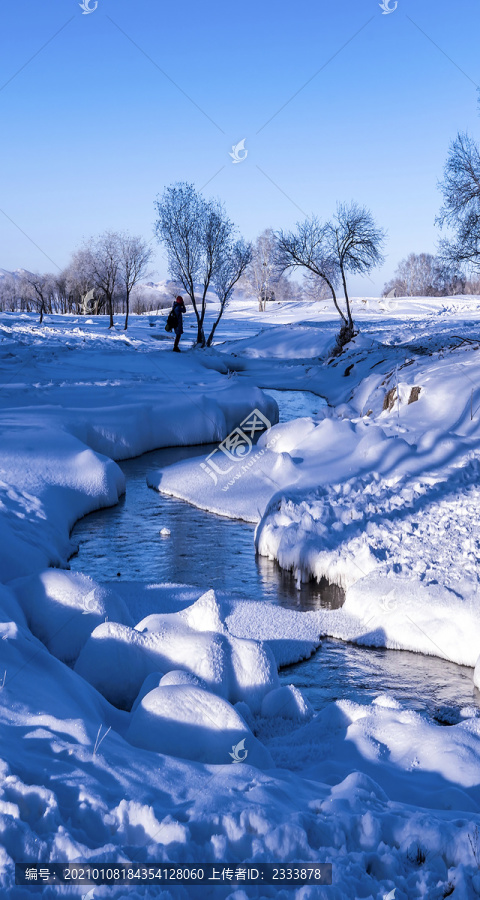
x=117 y=732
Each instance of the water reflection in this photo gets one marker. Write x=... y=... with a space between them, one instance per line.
x=203 y=549
x=281 y=586
x=423 y=683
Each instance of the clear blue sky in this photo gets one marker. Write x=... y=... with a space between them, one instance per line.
x=136 y=95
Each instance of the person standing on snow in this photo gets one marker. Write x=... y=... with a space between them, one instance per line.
x=178 y=309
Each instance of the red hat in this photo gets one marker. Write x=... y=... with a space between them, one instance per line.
x=179 y=299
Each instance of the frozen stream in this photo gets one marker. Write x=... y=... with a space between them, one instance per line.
x=123 y=543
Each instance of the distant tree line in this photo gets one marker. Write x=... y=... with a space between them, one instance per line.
x=102 y=277
x=426 y=275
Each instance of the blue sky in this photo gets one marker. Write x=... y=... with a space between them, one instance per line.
x=116 y=104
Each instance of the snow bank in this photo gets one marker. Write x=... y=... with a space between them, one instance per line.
x=408 y=614
x=117 y=659
x=100 y=395
x=62 y=608
x=192 y=723
x=294 y=341
x=49 y=479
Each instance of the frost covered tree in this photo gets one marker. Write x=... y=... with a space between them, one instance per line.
x=135 y=255
x=9 y=294
x=461 y=204
x=314 y=289
x=197 y=235
x=350 y=242
x=227 y=275
x=100 y=260
x=79 y=280
x=263 y=272
x=426 y=275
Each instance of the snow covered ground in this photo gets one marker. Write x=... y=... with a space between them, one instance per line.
x=116 y=733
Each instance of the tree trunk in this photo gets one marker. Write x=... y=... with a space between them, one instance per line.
x=335 y=301
x=110 y=311
x=127 y=304
x=214 y=326
x=201 y=332
x=347 y=301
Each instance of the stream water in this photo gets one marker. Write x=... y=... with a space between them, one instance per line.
x=123 y=543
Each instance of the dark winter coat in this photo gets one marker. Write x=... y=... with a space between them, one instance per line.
x=178 y=309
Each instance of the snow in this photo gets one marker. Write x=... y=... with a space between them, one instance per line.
x=61 y=608
x=288 y=702
x=192 y=723
x=117 y=659
x=291 y=342
x=109 y=718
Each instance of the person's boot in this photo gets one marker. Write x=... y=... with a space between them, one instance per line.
x=176 y=348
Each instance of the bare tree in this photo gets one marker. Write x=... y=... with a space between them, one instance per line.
x=196 y=234
x=358 y=243
x=38 y=289
x=135 y=255
x=351 y=242
x=461 y=203
x=180 y=227
x=310 y=247
x=235 y=261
